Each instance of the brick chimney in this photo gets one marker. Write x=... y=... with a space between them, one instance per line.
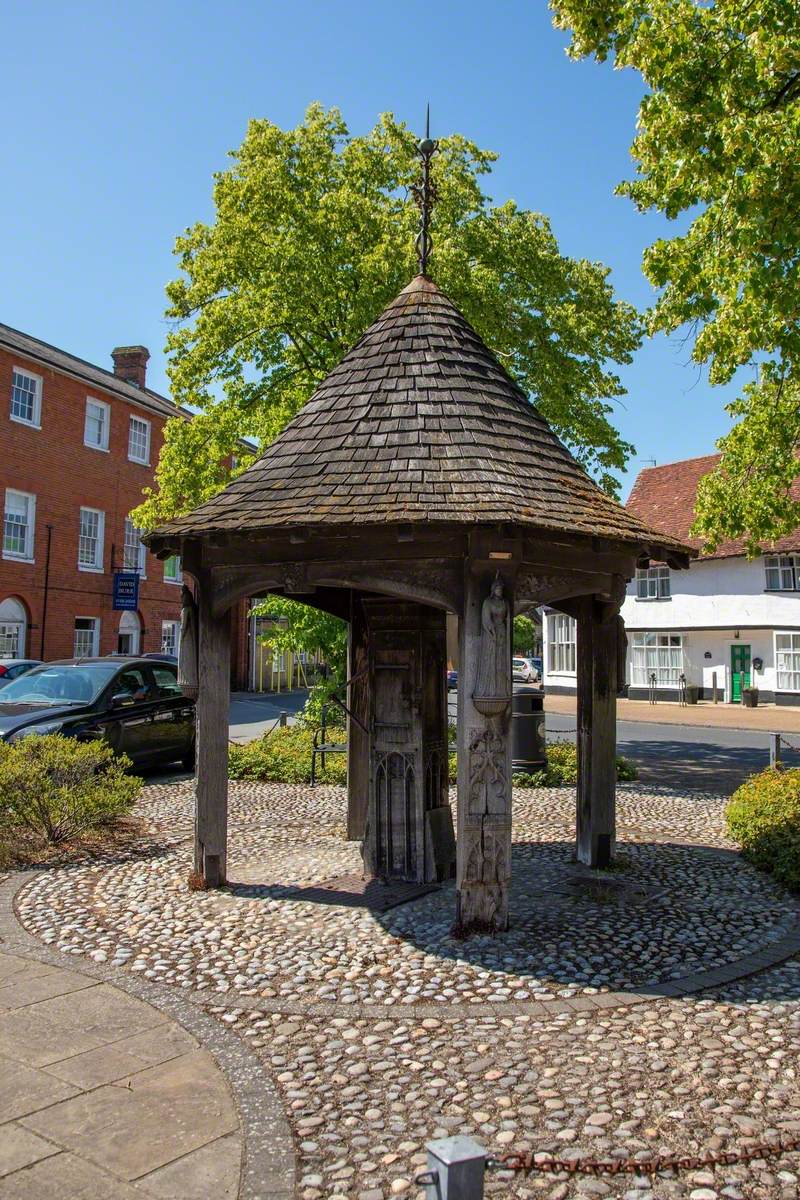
x=130 y=364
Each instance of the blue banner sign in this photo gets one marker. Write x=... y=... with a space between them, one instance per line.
x=126 y=590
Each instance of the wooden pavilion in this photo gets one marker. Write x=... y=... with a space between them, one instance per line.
x=419 y=480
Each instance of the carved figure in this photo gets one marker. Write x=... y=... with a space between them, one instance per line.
x=493 y=681
x=188 y=679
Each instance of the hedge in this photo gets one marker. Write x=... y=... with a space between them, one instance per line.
x=284 y=756
x=763 y=816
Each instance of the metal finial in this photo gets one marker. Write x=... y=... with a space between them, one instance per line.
x=425 y=195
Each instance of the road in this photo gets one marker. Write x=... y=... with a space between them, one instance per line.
x=687 y=756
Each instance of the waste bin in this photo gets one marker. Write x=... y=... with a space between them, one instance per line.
x=528 y=751
x=750 y=697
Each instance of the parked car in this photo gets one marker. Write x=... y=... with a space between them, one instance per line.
x=160 y=656
x=135 y=704
x=523 y=670
x=452 y=680
x=12 y=668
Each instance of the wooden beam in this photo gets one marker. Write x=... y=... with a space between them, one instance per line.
x=597 y=652
x=213 y=715
x=483 y=844
x=358 y=740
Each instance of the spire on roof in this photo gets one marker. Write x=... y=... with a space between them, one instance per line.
x=425 y=195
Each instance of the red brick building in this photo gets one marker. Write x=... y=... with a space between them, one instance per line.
x=77 y=446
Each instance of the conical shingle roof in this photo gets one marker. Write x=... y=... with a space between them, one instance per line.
x=418 y=423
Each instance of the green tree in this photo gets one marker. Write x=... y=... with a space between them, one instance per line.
x=718 y=142
x=313 y=235
x=301 y=627
x=524 y=634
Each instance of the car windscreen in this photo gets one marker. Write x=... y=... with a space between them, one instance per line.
x=56 y=684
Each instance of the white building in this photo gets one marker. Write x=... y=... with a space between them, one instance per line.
x=728 y=620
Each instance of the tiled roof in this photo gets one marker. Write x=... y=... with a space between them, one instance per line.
x=34 y=350
x=418 y=422
x=664 y=498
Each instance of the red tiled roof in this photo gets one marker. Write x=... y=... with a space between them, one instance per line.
x=664 y=498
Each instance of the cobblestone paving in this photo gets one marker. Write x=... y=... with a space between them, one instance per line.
x=383 y=1032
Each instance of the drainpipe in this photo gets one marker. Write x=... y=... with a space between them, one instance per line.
x=46 y=589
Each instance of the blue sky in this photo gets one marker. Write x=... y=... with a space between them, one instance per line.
x=116 y=116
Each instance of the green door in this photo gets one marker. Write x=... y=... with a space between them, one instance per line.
x=740 y=665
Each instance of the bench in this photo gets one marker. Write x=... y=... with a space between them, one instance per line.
x=320 y=746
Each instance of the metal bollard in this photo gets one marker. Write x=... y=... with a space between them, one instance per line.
x=456 y=1166
x=283 y=719
x=774 y=749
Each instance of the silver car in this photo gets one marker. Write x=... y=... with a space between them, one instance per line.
x=523 y=670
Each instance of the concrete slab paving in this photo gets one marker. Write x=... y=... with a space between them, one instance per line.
x=99 y=1089
x=213 y=1170
x=19 y=1148
x=65 y=1177
x=144 y=1121
x=63 y=1026
x=25 y=1089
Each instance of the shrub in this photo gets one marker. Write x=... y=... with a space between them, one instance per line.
x=57 y=788
x=284 y=756
x=562 y=769
x=763 y=816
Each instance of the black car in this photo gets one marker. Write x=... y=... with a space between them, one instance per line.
x=135 y=704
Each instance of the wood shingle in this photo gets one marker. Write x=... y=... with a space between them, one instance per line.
x=418 y=423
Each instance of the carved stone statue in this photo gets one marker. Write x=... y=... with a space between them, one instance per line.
x=188 y=677
x=493 y=682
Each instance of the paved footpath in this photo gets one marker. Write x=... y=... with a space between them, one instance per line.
x=123 y=1091
x=770 y=718
x=101 y=1095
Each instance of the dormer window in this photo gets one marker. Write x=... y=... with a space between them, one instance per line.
x=652 y=583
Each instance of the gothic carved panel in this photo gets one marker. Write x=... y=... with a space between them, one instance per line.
x=489 y=790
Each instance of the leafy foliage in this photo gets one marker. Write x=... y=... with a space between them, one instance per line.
x=763 y=816
x=562 y=768
x=524 y=634
x=310 y=629
x=57 y=788
x=717 y=140
x=313 y=236
x=284 y=756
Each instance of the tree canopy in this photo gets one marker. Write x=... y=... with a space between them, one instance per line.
x=718 y=142
x=313 y=235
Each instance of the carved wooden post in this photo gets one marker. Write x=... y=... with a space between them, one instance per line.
x=213 y=705
x=357 y=734
x=598 y=651
x=484 y=758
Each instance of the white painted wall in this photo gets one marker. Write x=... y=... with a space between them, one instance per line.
x=709 y=602
x=718 y=593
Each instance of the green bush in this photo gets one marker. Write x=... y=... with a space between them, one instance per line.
x=562 y=769
x=284 y=756
x=763 y=816
x=56 y=788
